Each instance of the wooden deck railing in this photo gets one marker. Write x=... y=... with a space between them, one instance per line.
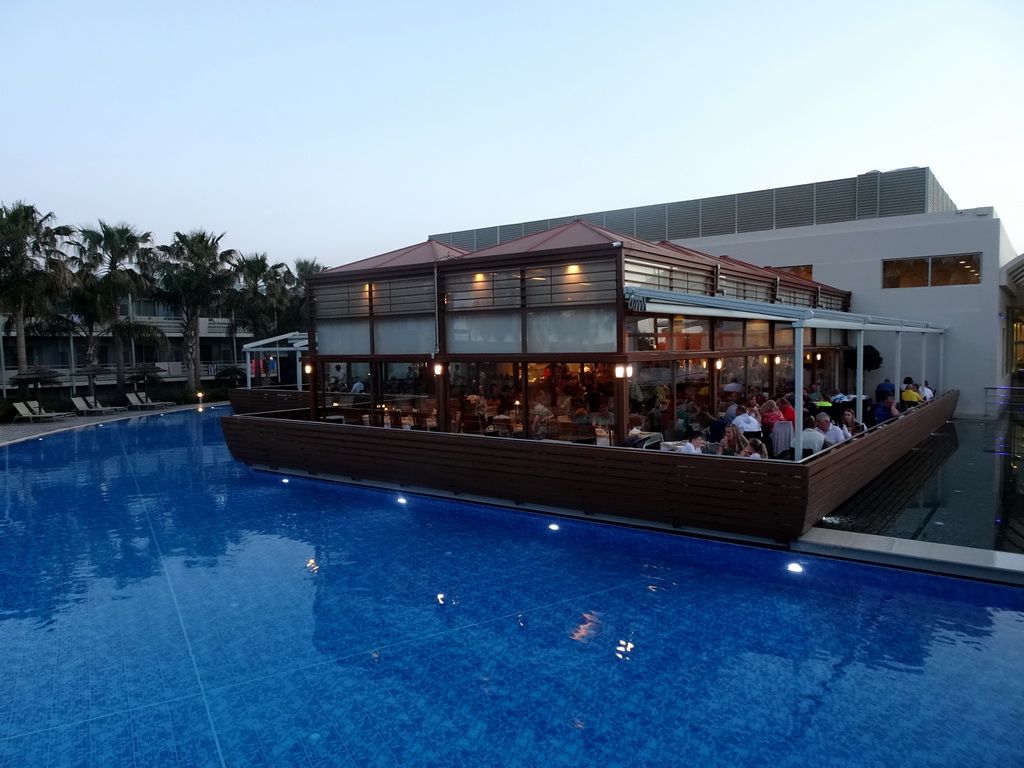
x=263 y=399
x=775 y=500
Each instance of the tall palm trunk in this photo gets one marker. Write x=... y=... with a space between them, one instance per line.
x=21 y=348
x=122 y=381
x=190 y=349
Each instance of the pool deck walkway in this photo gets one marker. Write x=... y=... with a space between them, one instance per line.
x=26 y=430
x=947 y=559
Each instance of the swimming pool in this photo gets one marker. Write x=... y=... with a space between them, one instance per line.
x=162 y=605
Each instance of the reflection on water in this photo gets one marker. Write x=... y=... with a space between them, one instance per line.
x=960 y=486
x=143 y=571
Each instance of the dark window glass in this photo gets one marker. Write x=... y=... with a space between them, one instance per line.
x=729 y=334
x=905 y=273
x=964 y=269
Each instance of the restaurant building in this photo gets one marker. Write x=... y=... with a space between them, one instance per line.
x=553 y=334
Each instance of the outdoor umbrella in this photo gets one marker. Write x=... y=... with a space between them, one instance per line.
x=37 y=375
x=144 y=372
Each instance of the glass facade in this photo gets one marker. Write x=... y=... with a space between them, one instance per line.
x=537 y=352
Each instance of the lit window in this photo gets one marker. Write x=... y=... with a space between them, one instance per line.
x=806 y=271
x=956 y=269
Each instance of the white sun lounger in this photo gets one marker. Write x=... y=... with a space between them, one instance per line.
x=38 y=410
x=136 y=402
x=24 y=412
x=92 y=402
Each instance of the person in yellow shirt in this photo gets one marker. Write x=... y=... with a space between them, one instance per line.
x=911 y=396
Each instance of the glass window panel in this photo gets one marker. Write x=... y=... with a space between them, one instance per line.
x=691 y=333
x=647 y=334
x=641 y=334
x=693 y=382
x=411 y=295
x=651 y=383
x=590 y=330
x=758 y=370
x=482 y=290
x=964 y=269
x=491 y=332
x=343 y=337
x=784 y=377
x=731 y=376
x=905 y=273
x=538 y=286
x=586 y=282
x=758 y=333
x=783 y=335
x=403 y=335
x=806 y=271
x=342 y=300
x=728 y=334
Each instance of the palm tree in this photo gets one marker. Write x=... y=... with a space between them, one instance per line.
x=260 y=296
x=32 y=267
x=195 y=279
x=295 y=316
x=112 y=263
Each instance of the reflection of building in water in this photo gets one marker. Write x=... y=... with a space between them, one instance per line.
x=911 y=489
x=1010 y=530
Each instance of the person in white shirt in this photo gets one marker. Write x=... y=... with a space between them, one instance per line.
x=744 y=422
x=358 y=387
x=813 y=439
x=694 y=445
x=832 y=433
x=927 y=392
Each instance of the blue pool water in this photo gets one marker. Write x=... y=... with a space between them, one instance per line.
x=161 y=605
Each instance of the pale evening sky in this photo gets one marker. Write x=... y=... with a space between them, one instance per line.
x=341 y=130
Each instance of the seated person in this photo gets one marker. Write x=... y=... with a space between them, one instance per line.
x=884 y=390
x=886 y=410
x=733 y=443
x=655 y=416
x=755 y=450
x=813 y=439
x=849 y=424
x=603 y=417
x=746 y=423
x=682 y=419
x=832 y=433
x=694 y=445
x=581 y=416
x=717 y=429
x=911 y=396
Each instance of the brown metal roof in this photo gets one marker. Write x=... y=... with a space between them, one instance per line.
x=575 y=234
x=421 y=253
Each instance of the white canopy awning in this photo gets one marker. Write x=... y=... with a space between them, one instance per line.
x=652 y=300
x=296 y=342
x=677 y=303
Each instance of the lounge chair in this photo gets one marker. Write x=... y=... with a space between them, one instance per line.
x=155 y=403
x=95 y=404
x=136 y=402
x=38 y=410
x=24 y=412
x=83 y=408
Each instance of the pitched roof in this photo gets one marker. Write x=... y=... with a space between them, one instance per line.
x=575 y=234
x=421 y=253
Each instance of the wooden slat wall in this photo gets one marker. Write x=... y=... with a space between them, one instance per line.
x=766 y=499
x=260 y=400
x=758 y=498
x=837 y=475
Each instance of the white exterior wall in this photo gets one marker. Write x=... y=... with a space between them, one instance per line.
x=849 y=255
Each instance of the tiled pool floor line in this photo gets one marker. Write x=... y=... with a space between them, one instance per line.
x=162 y=605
